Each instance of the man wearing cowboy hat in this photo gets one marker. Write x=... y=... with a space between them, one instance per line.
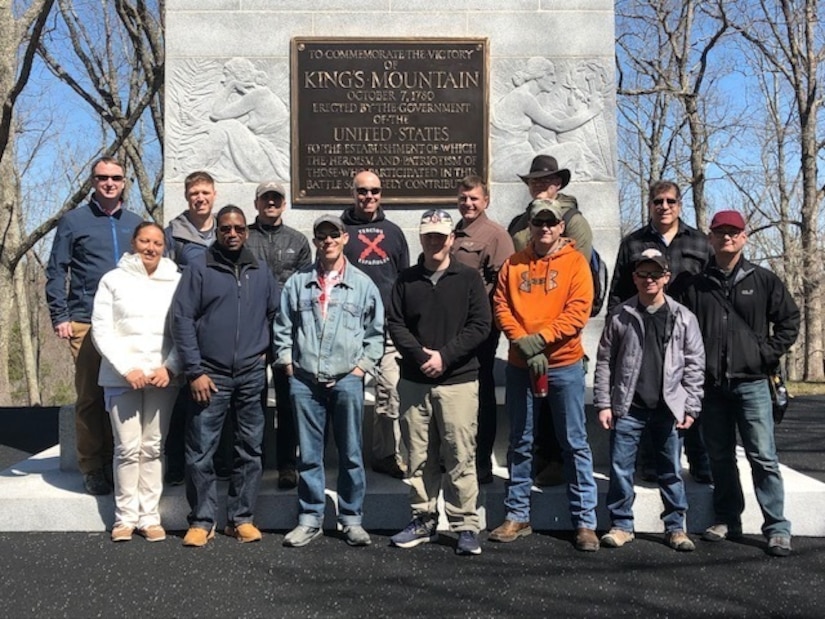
x=545 y=180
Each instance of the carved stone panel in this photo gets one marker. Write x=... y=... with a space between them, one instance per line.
x=553 y=108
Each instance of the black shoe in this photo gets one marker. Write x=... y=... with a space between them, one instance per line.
x=95 y=483
x=701 y=477
x=287 y=479
x=174 y=477
x=389 y=466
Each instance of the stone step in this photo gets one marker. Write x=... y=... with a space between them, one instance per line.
x=36 y=495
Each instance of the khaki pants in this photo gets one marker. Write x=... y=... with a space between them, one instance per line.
x=438 y=426
x=92 y=423
x=386 y=435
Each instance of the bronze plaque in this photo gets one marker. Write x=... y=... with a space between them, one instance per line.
x=414 y=111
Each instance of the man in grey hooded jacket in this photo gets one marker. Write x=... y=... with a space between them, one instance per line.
x=649 y=375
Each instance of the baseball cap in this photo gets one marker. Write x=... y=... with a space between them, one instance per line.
x=728 y=218
x=542 y=206
x=435 y=221
x=651 y=254
x=329 y=219
x=268 y=186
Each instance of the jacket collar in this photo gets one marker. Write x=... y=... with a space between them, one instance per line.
x=216 y=258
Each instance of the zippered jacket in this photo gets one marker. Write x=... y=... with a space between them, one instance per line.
x=619 y=361
x=283 y=249
x=87 y=244
x=222 y=313
x=131 y=325
x=748 y=342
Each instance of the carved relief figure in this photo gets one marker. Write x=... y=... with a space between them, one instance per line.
x=243 y=131
x=541 y=116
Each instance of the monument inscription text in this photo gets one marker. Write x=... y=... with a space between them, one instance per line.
x=413 y=111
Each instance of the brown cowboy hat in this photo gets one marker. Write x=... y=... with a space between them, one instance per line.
x=545 y=165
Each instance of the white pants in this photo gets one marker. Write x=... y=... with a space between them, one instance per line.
x=140 y=421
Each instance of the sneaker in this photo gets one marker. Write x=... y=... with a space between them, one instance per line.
x=153 y=533
x=678 y=540
x=244 y=532
x=301 y=536
x=287 y=479
x=720 y=531
x=510 y=531
x=586 y=540
x=467 y=544
x=616 y=538
x=174 y=477
x=779 y=545
x=355 y=535
x=95 y=483
x=122 y=533
x=197 y=537
x=390 y=466
x=420 y=531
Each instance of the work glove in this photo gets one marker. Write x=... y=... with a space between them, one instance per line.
x=538 y=364
x=530 y=345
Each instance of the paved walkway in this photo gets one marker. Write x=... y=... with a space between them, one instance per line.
x=84 y=574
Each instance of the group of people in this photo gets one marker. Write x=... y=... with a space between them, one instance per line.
x=172 y=341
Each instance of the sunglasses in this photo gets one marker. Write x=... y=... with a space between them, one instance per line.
x=323 y=236
x=649 y=274
x=363 y=191
x=723 y=232
x=105 y=177
x=661 y=201
x=544 y=223
x=228 y=229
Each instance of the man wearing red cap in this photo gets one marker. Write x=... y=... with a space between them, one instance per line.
x=749 y=320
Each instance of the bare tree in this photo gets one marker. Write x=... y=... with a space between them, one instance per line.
x=19 y=38
x=664 y=52
x=787 y=34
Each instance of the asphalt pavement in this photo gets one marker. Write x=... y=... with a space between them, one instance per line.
x=86 y=575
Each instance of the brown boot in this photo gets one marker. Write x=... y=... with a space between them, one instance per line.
x=510 y=531
x=586 y=540
x=244 y=532
x=197 y=537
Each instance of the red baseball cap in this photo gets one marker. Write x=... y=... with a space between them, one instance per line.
x=732 y=219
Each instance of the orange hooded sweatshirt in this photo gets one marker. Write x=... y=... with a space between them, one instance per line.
x=550 y=295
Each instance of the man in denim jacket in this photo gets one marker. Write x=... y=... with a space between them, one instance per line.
x=328 y=335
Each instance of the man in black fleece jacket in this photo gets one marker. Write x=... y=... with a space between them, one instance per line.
x=438 y=316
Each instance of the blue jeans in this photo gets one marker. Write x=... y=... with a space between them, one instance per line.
x=239 y=395
x=343 y=403
x=745 y=405
x=566 y=399
x=624 y=444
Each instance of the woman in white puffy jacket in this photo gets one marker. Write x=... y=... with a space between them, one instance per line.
x=130 y=328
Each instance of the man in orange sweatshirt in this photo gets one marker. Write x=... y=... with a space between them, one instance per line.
x=541 y=304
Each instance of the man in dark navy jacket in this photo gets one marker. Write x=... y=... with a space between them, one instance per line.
x=222 y=324
x=89 y=241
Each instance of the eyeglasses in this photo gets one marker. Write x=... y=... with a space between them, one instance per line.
x=363 y=191
x=649 y=274
x=105 y=177
x=544 y=223
x=732 y=233
x=228 y=229
x=661 y=201
x=323 y=236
